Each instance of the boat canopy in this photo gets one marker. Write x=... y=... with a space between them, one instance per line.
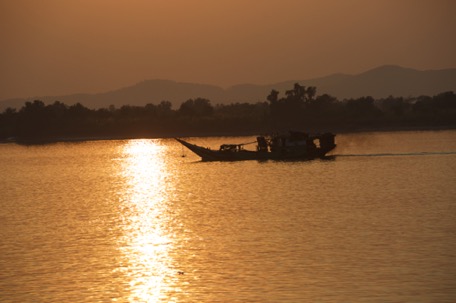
x=230 y=147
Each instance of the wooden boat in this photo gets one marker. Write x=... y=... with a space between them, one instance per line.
x=291 y=146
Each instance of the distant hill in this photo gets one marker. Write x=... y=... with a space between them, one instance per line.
x=378 y=82
x=388 y=80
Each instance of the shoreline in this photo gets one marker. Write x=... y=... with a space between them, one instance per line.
x=53 y=140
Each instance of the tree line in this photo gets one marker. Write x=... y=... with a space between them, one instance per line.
x=299 y=108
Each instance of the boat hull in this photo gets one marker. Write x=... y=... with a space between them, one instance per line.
x=207 y=154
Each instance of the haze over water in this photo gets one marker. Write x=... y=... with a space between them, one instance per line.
x=135 y=221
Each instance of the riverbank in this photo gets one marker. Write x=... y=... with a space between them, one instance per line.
x=51 y=140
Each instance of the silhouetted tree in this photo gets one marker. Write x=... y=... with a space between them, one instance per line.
x=273 y=97
x=299 y=108
x=291 y=110
x=164 y=109
x=197 y=108
x=8 y=123
x=78 y=111
x=395 y=107
x=445 y=101
x=311 y=92
x=322 y=110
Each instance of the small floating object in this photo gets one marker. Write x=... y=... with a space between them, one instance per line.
x=180 y=272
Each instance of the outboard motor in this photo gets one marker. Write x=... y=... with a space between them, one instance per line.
x=327 y=142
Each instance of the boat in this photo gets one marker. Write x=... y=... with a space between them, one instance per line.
x=290 y=146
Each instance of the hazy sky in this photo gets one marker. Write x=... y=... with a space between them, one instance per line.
x=55 y=47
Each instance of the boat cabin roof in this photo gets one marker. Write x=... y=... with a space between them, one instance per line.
x=230 y=147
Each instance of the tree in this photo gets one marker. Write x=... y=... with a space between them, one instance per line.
x=273 y=97
x=57 y=110
x=199 y=107
x=78 y=111
x=164 y=109
x=395 y=107
x=311 y=92
x=297 y=94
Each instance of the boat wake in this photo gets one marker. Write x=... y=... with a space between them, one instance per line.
x=396 y=154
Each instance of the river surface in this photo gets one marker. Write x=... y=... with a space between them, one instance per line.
x=146 y=221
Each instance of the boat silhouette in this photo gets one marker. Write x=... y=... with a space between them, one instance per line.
x=290 y=146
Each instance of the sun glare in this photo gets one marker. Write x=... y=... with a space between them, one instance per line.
x=144 y=202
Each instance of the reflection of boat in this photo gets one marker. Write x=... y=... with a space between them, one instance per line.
x=291 y=146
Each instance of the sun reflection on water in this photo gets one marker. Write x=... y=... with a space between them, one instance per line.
x=147 y=239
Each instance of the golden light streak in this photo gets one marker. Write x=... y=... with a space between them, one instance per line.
x=146 y=242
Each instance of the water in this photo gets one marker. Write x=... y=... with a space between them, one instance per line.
x=146 y=221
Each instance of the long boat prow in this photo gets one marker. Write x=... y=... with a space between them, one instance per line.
x=204 y=153
x=186 y=144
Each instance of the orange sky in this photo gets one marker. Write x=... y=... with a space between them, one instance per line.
x=56 y=47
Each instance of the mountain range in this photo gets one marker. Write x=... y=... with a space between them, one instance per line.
x=380 y=82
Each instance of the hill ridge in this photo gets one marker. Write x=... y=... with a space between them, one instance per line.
x=379 y=82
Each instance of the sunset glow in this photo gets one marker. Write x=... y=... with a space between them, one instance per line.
x=62 y=47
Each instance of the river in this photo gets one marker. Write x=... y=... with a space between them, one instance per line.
x=147 y=221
